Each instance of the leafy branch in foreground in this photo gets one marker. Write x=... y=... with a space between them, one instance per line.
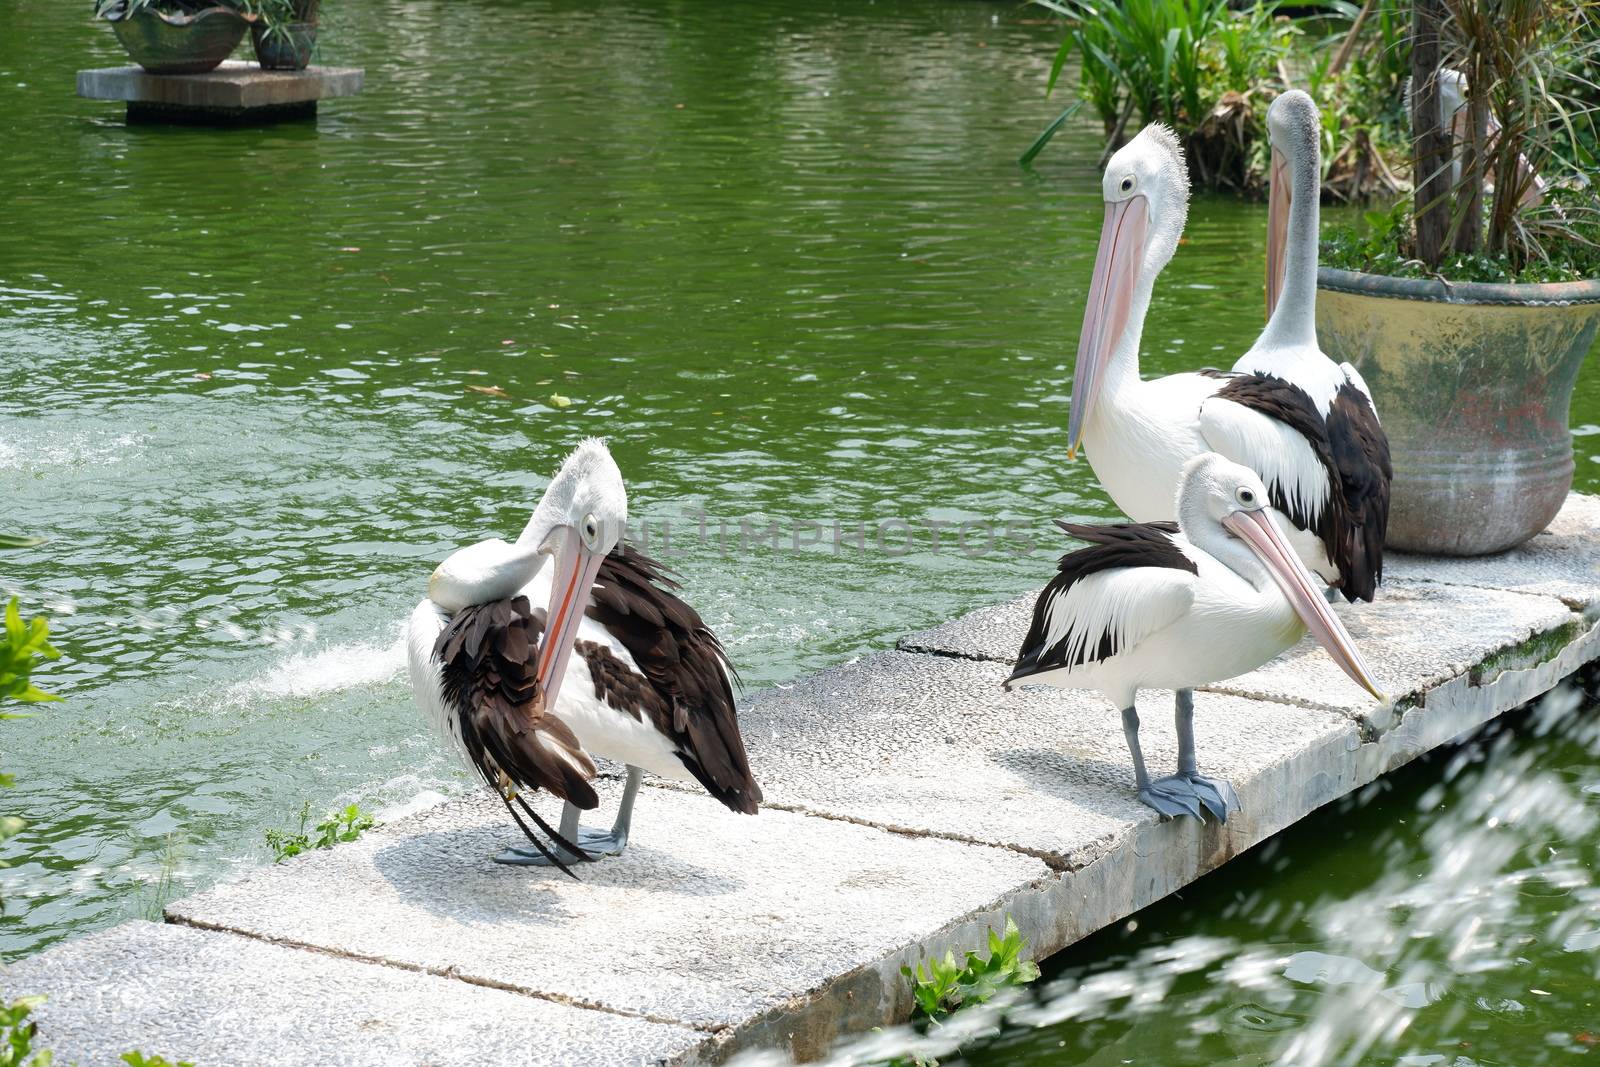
x=23 y=647
x=17 y=1034
x=26 y=646
x=139 y=1059
x=345 y=824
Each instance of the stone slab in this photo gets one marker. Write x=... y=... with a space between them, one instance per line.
x=1415 y=636
x=933 y=745
x=1563 y=561
x=234 y=86
x=791 y=929
x=220 y=999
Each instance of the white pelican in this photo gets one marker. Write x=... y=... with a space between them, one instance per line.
x=1287 y=416
x=1158 y=606
x=1454 y=116
x=625 y=670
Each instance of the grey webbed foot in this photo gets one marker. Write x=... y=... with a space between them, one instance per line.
x=527 y=857
x=1214 y=794
x=595 y=843
x=1171 y=797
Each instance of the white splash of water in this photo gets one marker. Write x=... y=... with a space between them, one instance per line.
x=306 y=674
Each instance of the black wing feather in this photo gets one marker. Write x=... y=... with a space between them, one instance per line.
x=1112 y=546
x=1355 y=453
x=688 y=696
x=488 y=673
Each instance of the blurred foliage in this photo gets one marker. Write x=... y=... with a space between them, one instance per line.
x=17 y=1033
x=345 y=824
x=26 y=645
x=140 y=1059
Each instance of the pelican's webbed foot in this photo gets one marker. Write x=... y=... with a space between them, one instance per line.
x=1171 y=797
x=1214 y=794
x=595 y=843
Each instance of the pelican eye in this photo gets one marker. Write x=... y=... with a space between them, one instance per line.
x=1246 y=496
x=591 y=531
x=1127 y=184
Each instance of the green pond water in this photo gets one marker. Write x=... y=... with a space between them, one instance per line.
x=258 y=382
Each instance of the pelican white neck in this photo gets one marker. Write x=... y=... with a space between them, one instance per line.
x=1295 y=129
x=1146 y=192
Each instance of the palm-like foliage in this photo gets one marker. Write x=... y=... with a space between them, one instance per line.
x=1531 y=104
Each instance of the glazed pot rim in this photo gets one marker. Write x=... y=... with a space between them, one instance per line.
x=1437 y=291
x=178 y=18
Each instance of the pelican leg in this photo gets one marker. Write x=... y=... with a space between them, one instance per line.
x=595 y=842
x=1214 y=794
x=1170 y=797
x=611 y=842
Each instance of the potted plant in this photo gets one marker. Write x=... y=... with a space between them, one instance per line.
x=284 y=32
x=1469 y=310
x=175 y=36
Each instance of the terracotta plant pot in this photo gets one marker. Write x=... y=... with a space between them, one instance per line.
x=287 y=48
x=164 y=43
x=1473 y=383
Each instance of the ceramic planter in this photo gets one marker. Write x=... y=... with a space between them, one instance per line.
x=286 y=47
x=170 y=43
x=1473 y=384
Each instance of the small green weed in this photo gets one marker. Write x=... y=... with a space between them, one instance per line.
x=139 y=1059
x=17 y=1034
x=345 y=824
x=26 y=645
x=943 y=986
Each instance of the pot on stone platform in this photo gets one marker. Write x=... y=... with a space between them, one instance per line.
x=284 y=46
x=1473 y=382
x=164 y=42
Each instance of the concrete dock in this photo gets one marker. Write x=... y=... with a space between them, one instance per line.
x=911 y=805
x=237 y=92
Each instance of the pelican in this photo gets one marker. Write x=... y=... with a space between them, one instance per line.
x=615 y=665
x=1164 y=606
x=1455 y=117
x=1284 y=413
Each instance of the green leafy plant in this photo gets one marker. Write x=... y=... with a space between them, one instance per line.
x=345 y=824
x=1500 y=183
x=17 y=1034
x=940 y=987
x=154 y=897
x=279 y=18
x=1210 y=68
x=116 y=10
x=140 y=1059
x=24 y=647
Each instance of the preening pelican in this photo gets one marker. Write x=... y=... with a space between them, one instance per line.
x=615 y=665
x=1164 y=606
x=1321 y=461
